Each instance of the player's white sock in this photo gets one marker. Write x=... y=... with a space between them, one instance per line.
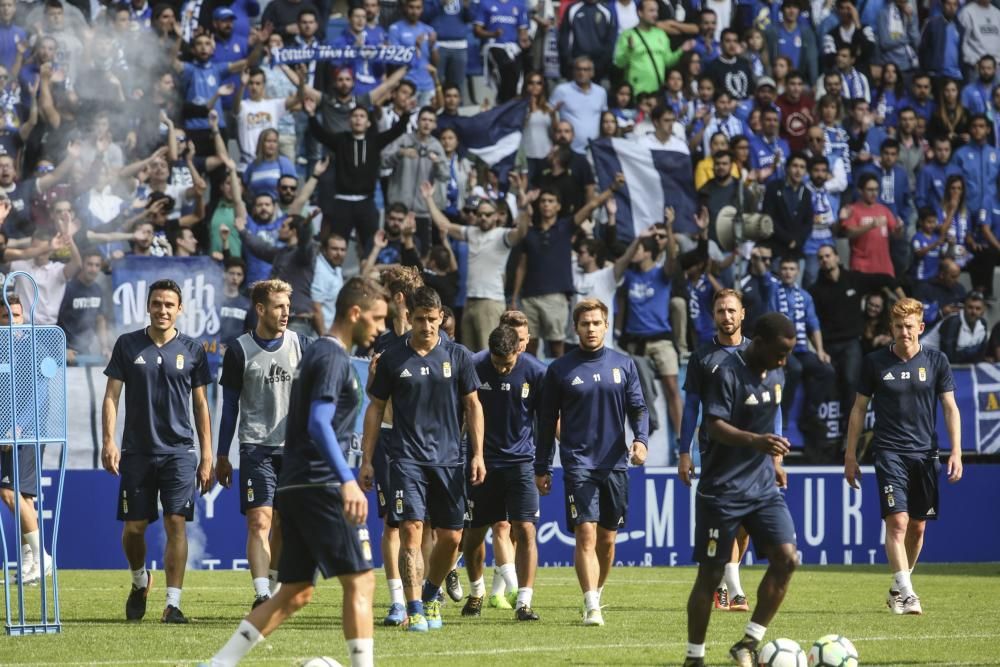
x=498 y=582
x=173 y=597
x=478 y=588
x=901 y=582
x=600 y=593
x=591 y=600
x=272 y=578
x=33 y=541
x=261 y=586
x=754 y=630
x=396 y=591
x=362 y=652
x=509 y=574
x=524 y=597
x=732 y=579
x=244 y=639
x=695 y=650
x=140 y=578
x=27 y=557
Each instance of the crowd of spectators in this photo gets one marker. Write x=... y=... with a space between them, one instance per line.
x=867 y=133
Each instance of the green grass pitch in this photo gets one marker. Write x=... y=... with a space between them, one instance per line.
x=645 y=616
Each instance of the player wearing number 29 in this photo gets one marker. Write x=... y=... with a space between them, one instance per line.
x=323 y=509
x=903 y=381
x=739 y=487
x=591 y=391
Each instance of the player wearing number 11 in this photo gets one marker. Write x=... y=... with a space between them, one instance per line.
x=903 y=381
x=592 y=390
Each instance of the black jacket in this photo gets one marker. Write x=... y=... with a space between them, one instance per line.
x=790 y=224
x=950 y=328
x=839 y=304
x=357 y=161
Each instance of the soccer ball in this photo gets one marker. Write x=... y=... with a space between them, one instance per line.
x=833 y=651
x=321 y=661
x=781 y=653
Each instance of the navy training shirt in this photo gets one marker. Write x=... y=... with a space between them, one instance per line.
x=903 y=397
x=742 y=398
x=701 y=365
x=510 y=407
x=594 y=393
x=324 y=374
x=426 y=393
x=158 y=384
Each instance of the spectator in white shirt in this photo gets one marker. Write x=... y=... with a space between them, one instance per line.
x=50 y=277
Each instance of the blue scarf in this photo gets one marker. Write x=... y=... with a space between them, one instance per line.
x=796 y=312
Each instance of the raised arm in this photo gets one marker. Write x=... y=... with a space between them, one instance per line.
x=596 y=202
x=307 y=189
x=439 y=219
x=381 y=92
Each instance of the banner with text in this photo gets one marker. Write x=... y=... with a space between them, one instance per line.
x=387 y=54
x=200 y=280
x=836 y=525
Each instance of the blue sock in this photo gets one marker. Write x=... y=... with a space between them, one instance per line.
x=430 y=591
x=414 y=607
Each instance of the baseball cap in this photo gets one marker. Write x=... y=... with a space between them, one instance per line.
x=766 y=81
x=223 y=14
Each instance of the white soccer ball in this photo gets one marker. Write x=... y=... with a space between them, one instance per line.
x=321 y=661
x=833 y=651
x=781 y=653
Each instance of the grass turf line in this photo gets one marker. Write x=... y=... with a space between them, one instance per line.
x=645 y=616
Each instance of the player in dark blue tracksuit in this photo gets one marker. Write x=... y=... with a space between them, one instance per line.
x=323 y=509
x=903 y=382
x=510 y=393
x=738 y=484
x=728 y=314
x=591 y=392
x=430 y=380
x=400 y=281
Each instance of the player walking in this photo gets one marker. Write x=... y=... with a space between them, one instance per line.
x=728 y=313
x=427 y=378
x=322 y=507
x=738 y=484
x=903 y=381
x=591 y=392
x=509 y=392
x=400 y=281
x=164 y=372
x=256 y=384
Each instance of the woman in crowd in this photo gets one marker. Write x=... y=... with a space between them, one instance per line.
x=538 y=124
x=263 y=174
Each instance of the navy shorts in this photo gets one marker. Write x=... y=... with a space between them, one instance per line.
x=599 y=496
x=428 y=493
x=380 y=462
x=508 y=494
x=171 y=478
x=25 y=471
x=317 y=538
x=908 y=483
x=768 y=522
x=259 y=470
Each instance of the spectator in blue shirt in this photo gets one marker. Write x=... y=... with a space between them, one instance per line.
x=803 y=364
x=932 y=176
x=588 y=28
x=450 y=19
x=229 y=47
x=768 y=151
x=941 y=42
x=980 y=166
x=269 y=167
x=503 y=27
x=919 y=98
x=898 y=35
x=203 y=84
x=11 y=35
x=927 y=245
x=795 y=41
x=976 y=95
x=706 y=45
x=367 y=75
x=411 y=31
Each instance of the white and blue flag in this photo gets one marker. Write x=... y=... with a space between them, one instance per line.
x=654 y=179
x=493 y=136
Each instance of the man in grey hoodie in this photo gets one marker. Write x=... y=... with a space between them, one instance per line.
x=415 y=158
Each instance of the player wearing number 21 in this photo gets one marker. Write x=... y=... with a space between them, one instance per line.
x=903 y=381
